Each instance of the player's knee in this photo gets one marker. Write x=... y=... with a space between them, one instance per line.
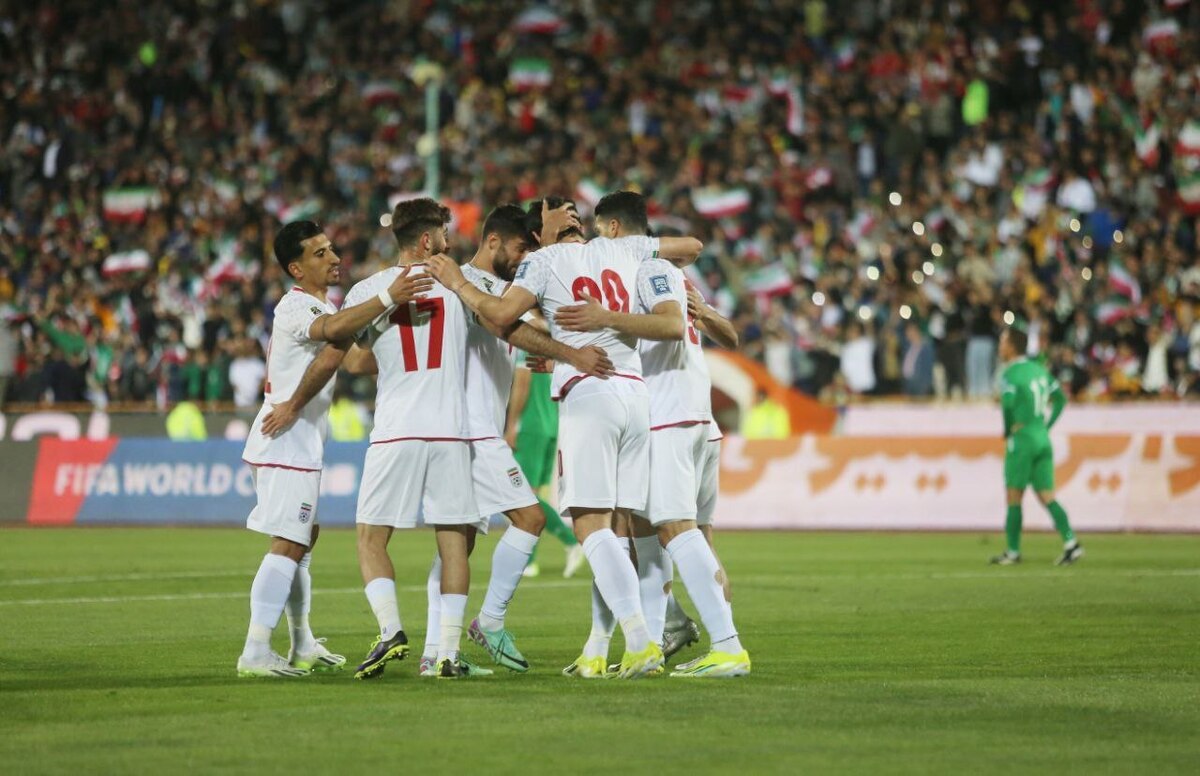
x=530 y=520
x=1046 y=497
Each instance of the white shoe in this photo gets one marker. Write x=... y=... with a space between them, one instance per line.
x=575 y=560
x=271 y=665
x=317 y=659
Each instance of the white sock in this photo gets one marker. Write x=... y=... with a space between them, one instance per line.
x=676 y=616
x=299 y=604
x=454 y=606
x=603 y=624
x=654 y=575
x=268 y=595
x=508 y=561
x=698 y=568
x=433 y=611
x=381 y=594
x=618 y=584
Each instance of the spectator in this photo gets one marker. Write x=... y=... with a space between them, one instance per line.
x=918 y=362
x=767 y=419
x=246 y=374
x=981 y=346
x=858 y=359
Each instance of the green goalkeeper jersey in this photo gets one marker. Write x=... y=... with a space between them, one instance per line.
x=1027 y=391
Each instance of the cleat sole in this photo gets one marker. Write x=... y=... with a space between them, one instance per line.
x=376 y=669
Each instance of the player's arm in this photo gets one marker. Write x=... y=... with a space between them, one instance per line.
x=1058 y=401
x=711 y=322
x=590 y=360
x=680 y=251
x=320 y=371
x=349 y=321
x=361 y=361
x=663 y=322
x=517 y=399
x=501 y=311
x=1008 y=402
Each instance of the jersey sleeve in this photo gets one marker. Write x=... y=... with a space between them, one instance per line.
x=643 y=248
x=295 y=313
x=533 y=274
x=657 y=282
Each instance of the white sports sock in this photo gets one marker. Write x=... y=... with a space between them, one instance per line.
x=454 y=606
x=618 y=584
x=381 y=594
x=508 y=561
x=603 y=624
x=676 y=616
x=698 y=568
x=433 y=611
x=654 y=574
x=268 y=595
x=299 y=604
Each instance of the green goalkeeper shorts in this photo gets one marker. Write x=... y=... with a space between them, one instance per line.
x=1029 y=460
x=535 y=453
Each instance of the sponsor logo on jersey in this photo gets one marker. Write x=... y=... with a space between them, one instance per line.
x=514 y=476
x=305 y=511
x=660 y=285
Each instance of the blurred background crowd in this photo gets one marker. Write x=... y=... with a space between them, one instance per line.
x=882 y=185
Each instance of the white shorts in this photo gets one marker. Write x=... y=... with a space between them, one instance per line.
x=710 y=480
x=676 y=465
x=411 y=478
x=287 y=503
x=603 y=449
x=499 y=483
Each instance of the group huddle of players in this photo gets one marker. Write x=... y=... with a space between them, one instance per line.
x=637 y=456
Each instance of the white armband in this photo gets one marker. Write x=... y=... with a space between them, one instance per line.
x=386 y=300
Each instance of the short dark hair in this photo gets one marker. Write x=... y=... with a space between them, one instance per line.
x=628 y=207
x=1019 y=339
x=287 y=242
x=413 y=217
x=533 y=215
x=508 y=221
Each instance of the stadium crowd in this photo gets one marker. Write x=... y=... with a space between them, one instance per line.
x=881 y=186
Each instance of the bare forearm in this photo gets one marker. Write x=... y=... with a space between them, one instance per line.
x=680 y=251
x=719 y=328
x=652 y=326
x=519 y=397
x=346 y=323
x=318 y=374
x=483 y=304
x=539 y=343
x=360 y=361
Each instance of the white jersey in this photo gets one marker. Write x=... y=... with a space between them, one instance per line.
x=675 y=371
x=490 y=365
x=421 y=352
x=289 y=353
x=558 y=275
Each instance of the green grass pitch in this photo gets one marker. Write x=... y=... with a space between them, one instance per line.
x=872 y=653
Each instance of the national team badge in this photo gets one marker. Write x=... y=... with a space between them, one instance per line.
x=514 y=476
x=305 y=511
x=660 y=285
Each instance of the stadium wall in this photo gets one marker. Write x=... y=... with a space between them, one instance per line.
x=1133 y=468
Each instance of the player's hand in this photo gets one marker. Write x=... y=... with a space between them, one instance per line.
x=408 y=287
x=589 y=316
x=539 y=364
x=445 y=270
x=555 y=221
x=280 y=419
x=697 y=308
x=593 y=361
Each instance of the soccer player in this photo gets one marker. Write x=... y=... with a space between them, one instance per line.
x=680 y=429
x=532 y=432
x=498 y=482
x=1027 y=391
x=604 y=424
x=286 y=453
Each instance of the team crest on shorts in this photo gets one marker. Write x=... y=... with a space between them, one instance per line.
x=305 y=511
x=514 y=476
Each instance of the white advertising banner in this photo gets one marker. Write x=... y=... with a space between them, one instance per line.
x=1142 y=481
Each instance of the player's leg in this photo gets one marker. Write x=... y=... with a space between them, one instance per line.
x=1018 y=470
x=726 y=587
x=1043 y=484
x=307 y=651
x=388 y=498
x=278 y=514
x=433 y=617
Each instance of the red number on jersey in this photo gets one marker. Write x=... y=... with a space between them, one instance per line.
x=613 y=295
x=692 y=335
x=403 y=318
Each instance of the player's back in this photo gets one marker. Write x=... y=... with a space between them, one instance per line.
x=490 y=365
x=675 y=371
x=1029 y=385
x=606 y=270
x=421 y=352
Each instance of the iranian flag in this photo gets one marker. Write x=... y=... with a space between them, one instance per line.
x=769 y=280
x=587 y=194
x=1187 y=167
x=380 y=91
x=1145 y=142
x=1188 y=143
x=718 y=203
x=1161 y=31
x=129 y=205
x=1189 y=191
x=530 y=73
x=299 y=211
x=860 y=226
x=125 y=261
x=818 y=177
x=539 y=21
x=782 y=86
x=661 y=222
x=1113 y=310
x=1123 y=283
